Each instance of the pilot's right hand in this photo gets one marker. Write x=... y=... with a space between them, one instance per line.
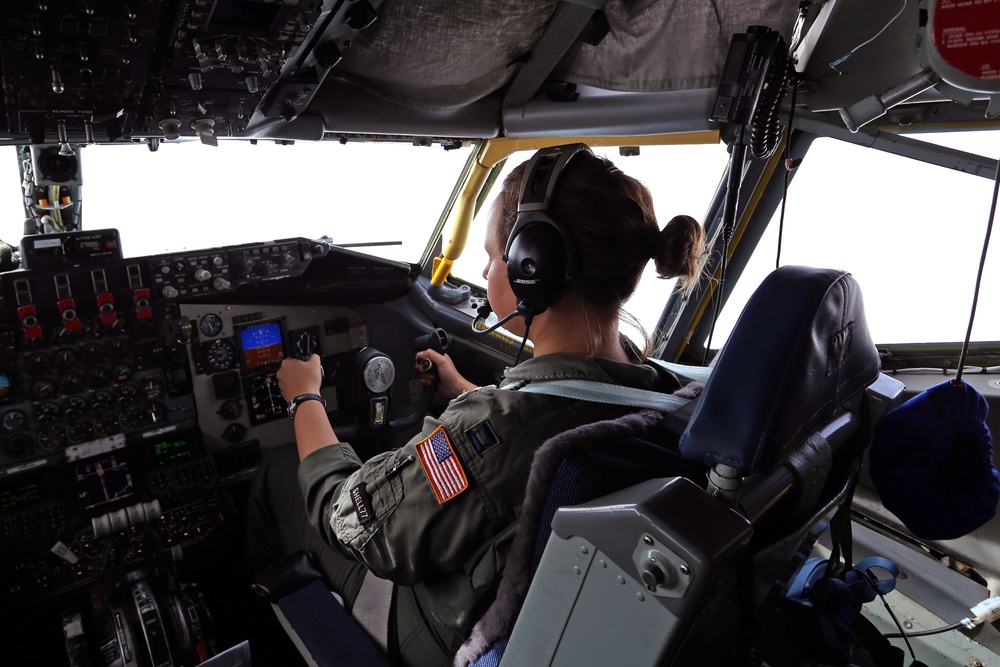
x=452 y=383
x=297 y=377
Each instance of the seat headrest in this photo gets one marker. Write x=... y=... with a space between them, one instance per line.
x=799 y=350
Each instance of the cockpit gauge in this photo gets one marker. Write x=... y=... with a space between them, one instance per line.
x=121 y=372
x=14 y=421
x=128 y=394
x=97 y=377
x=130 y=418
x=152 y=389
x=119 y=347
x=37 y=361
x=48 y=412
x=70 y=383
x=210 y=325
x=66 y=358
x=105 y=424
x=75 y=405
x=42 y=389
x=16 y=446
x=93 y=352
x=220 y=355
x=52 y=438
x=102 y=399
x=379 y=373
x=78 y=430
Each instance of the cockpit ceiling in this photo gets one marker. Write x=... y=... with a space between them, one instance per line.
x=465 y=51
x=297 y=69
x=106 y=72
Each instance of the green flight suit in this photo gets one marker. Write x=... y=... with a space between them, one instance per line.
x=437 y=516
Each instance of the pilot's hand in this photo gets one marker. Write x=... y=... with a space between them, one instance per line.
x=452 y=383
x=297 y=377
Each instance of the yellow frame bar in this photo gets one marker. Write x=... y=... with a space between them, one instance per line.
x=495 y=150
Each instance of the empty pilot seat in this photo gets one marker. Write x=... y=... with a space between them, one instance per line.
x=674 y=571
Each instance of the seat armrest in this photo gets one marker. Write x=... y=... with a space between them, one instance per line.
x=286 y=576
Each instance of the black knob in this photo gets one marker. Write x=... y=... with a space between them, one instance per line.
x=234 y=433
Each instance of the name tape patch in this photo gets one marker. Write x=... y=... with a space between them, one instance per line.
x=362 y=503
x=441 y=465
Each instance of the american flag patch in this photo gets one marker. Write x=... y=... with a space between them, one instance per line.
x=441 y=465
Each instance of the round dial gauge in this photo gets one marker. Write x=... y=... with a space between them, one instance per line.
x=379 y=374
x=75 y=405
x=14 y=421
x=121 y=372
x=102 y=399
x=42 y=389
x=210 y=325
x=128 y=394
x=66 y=357
x=17 y=446
x=48 y=412
x=220 y=355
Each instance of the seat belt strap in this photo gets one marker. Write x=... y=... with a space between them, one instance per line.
x=605 y=392
x=371 y=608
x=694 y=373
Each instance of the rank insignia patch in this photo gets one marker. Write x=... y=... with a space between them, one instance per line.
x=482 y=436
x=441 y=465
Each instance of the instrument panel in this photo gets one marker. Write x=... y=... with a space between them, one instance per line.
x=236 y=351
x=132 y=391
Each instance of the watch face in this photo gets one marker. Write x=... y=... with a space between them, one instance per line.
x=379 y=374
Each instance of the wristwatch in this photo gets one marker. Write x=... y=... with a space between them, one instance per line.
x=294 y=404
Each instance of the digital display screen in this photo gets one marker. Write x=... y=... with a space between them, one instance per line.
x=20 y=495
x=262 y=344
x=169 y=452
x=102 y=480
x=264 y=400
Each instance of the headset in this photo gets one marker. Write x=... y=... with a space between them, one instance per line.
x=541 y=253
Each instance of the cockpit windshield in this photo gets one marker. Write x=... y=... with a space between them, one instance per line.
x=382 y=198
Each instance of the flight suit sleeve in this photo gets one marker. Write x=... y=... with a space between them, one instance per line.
x=418 y=510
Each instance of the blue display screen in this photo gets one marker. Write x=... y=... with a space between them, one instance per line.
x=262 y=344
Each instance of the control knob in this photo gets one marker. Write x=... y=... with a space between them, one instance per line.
x=170 y=292
x=221 y=283
x=201 y=275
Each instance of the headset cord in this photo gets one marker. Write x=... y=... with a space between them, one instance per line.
x=524 y=341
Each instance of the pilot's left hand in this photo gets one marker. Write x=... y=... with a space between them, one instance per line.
x=297 y=377
x=452 y=383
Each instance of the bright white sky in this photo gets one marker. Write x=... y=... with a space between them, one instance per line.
x=910 y=233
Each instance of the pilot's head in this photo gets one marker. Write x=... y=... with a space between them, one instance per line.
x=596 y=234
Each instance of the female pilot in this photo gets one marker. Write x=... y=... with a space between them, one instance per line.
x=437 y=516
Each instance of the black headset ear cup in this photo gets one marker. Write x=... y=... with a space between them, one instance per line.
x=537 y=264
x=541 y=252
